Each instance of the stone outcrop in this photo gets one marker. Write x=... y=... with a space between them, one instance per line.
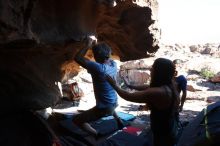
x=216 y=78
x=136 y=72
x=39 y=38
x=206 y=49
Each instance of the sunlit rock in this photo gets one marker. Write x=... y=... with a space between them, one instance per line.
x=39 y=38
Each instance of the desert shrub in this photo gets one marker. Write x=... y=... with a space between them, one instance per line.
x=206 y=73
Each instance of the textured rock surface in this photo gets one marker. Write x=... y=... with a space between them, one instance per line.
x=38 y=39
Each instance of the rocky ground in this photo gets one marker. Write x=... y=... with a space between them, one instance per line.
x=201 y=92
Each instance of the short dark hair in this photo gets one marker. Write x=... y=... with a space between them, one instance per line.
x=102 y=51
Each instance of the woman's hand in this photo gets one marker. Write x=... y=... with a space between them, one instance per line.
x=111 y=80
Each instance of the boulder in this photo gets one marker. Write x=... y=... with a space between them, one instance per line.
x=39 y=38
x=215 y=79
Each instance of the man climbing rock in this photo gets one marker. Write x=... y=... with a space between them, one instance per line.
x=105 y=95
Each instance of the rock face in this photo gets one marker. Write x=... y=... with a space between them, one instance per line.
x=39 y=38
x=136 y=72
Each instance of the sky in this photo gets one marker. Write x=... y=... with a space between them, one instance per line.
x=189 y=21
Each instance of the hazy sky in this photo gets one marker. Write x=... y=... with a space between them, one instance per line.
x=190 y=21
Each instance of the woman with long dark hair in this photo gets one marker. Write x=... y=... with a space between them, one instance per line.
x=163 y=98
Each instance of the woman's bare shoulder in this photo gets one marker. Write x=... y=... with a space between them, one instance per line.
x=160 y=96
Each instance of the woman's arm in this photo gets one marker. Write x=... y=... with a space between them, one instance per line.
x=138 y=87
x=144 y=96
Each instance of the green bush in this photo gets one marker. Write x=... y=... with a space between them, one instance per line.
x=206 y=73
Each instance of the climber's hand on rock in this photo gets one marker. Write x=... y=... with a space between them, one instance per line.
x=91 y=40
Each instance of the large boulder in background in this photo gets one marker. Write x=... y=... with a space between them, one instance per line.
x=39 y=38
x=136 y=72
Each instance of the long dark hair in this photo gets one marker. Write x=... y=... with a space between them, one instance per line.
x=163 y=72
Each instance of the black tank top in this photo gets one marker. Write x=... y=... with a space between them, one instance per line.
x=162 y=121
